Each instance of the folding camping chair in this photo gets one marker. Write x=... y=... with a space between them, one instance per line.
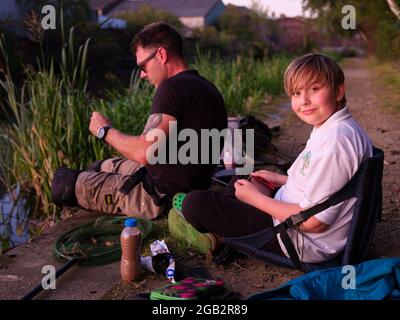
x=366 y=186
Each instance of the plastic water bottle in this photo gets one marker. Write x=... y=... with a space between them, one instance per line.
x=230 y=152
x=131 y=243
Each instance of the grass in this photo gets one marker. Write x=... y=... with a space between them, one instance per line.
x=245 y=83
x=386 y=74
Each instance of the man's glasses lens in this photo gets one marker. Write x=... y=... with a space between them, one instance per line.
x=142 y=65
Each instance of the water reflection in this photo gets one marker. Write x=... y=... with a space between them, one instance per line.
x=14 y=227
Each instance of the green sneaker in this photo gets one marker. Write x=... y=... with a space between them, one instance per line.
x=180 y=229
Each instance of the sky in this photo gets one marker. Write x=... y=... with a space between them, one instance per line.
x=290 y=8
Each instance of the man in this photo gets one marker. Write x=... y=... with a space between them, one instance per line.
x=130 y=184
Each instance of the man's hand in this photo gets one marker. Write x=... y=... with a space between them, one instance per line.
x=245 y=191
x=97 y=121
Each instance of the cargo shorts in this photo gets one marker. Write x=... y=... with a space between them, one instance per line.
x=100 y=191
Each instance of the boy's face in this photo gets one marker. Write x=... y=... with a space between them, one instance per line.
x=315 y=103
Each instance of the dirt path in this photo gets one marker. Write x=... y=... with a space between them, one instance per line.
x=248 y=276
x=383 y=127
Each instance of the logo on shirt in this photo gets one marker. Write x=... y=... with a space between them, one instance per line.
x=305 y=162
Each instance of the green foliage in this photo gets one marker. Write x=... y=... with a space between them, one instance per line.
x=244 y=82
x=332 y=54
x=208 y=39
x=373 y=18
x=129 y=108
x=73 y=11
x=238 y=31
x=145 y=15
x=49 y=124
x=104 y=43
x=387 y=79
x=247 y=31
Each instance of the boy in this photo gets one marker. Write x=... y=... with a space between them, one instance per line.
x=333 y=154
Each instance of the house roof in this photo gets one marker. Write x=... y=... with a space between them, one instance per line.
x=101 y=4
x=180 y=8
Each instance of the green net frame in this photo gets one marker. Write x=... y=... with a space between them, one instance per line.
x=96 y=242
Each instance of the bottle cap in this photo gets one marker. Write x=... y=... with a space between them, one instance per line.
x=130 y=222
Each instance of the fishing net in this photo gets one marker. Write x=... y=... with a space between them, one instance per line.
x=96 y=242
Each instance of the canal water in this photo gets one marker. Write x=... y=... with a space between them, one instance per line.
x=14 y=219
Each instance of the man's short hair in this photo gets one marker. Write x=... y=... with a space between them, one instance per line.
x=159 y=34
x=310 y=68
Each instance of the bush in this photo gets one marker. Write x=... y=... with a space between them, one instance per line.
x=244 y=82
x=145 y=15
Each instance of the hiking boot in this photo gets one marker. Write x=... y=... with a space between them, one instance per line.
x=63 y=187
x=181 y=229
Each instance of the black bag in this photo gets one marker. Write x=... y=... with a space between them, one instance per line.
x=265 y=152
x=262 y=134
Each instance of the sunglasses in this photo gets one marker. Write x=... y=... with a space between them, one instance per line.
x=142 y=65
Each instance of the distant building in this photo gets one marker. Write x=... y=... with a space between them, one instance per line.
x=298 y=32
x=191 y=13
x=102 y=7
x=292 y=33
x=11 y=12
x=9 y=9
x=113 y=23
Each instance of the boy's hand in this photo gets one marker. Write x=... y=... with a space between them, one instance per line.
x=245 y=190
x=97 y=121
x=276 y=179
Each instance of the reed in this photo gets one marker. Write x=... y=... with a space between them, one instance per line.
x=50 y=113
x=49 y=123
x=245 y=83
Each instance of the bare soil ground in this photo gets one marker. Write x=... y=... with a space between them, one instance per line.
x=366 y=101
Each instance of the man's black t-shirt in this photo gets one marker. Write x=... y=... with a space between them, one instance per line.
x=196 y=104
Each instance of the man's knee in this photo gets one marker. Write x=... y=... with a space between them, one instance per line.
x=63 y=187
x=95 y=166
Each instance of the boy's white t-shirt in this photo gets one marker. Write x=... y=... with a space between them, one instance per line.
x=331 y=157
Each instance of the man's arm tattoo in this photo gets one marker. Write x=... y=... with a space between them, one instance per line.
x=153 y=122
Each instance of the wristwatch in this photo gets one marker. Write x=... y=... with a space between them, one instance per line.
x=102 y=132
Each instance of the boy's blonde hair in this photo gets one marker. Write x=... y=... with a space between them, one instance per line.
x=311 y=68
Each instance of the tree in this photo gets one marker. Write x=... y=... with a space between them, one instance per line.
x=74 y=11
x=377 y=21
x=250 y=30
x=145 y=15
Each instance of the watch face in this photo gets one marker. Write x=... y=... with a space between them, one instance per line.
x=100 y=133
